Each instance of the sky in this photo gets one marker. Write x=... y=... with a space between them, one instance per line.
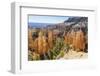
x=46 y=19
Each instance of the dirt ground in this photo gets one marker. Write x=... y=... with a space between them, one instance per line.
x=75 y=55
